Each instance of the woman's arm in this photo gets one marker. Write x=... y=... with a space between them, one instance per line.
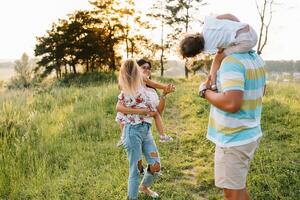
x=125 y=110
x=228 y=17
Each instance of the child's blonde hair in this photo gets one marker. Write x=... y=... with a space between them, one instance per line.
x=130 y=77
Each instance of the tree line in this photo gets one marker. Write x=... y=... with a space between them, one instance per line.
x=283 y=66
x=97 y=39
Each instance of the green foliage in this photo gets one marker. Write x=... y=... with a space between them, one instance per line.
x=297 y=66
x=283 y=66
x=24 y=73
x=93 y=39
x=200 y=64
x=82 y=39
x=182 y=15
x=88 y=79
x=59 y=143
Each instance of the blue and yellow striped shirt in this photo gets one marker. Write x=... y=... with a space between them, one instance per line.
x=245 y=72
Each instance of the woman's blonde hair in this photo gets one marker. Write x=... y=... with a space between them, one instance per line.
x=130 y=77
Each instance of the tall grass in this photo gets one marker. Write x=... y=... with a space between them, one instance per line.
x=59 y=143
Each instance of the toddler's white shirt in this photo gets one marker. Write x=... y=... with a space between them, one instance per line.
x=219 y=33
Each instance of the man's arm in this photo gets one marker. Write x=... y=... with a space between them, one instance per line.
x=232 y=82
x=228 y=17
x=229 y=101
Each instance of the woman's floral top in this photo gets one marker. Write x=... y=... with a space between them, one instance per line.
x=137 y=101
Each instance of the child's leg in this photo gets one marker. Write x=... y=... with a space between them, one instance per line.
x=244 y=42
x=160 y=128
x=159 y=124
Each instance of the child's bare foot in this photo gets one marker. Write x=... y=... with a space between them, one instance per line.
x=148 y=192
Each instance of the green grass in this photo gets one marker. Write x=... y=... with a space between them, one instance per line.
x=59 y=143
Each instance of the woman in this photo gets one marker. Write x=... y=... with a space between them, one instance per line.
x=158 y=104
x=138 y=139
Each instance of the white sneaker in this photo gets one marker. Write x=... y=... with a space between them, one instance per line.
x=152 y=194
x=165 y=138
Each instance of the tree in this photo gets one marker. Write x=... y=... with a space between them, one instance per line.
x=24 y=73
x=51 y=48
x=159 y=12
x=110 y=12
x=297 y=66
x=200 y=64
x=265 y=12
x=182 y=16
x=86 y=40
x=80 y=39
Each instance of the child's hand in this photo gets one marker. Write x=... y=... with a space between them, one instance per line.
x=212 y=81
x=169 y=88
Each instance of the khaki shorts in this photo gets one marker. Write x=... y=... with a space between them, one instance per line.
x=232 y=165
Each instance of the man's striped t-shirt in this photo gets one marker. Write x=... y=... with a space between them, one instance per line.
x=245 y=72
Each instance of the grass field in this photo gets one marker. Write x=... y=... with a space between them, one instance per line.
x=58 y=142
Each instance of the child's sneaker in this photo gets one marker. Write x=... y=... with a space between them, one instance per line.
x=165 y=138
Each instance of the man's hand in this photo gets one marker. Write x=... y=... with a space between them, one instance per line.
x=204 y=85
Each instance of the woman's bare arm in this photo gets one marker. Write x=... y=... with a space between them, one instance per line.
x=125 y=110
x=228 y=17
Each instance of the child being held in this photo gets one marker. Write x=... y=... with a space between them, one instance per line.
x=222 y=34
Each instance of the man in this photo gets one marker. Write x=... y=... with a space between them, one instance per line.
x=234 y=122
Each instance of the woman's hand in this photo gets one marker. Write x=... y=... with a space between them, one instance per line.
x=144 y=111
x=152 y=113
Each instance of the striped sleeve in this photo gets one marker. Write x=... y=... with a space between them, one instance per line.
x=232 y=74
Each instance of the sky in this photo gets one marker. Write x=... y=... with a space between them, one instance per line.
x=22 y=21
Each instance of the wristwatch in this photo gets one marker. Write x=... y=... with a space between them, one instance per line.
x=202 y=93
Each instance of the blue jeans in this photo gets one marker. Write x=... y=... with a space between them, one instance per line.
x=138 y=140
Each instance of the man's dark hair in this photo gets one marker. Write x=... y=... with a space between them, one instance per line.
x=191 y=45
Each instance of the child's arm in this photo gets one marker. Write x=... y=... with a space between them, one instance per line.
x=154 y=84
x=228 y=17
